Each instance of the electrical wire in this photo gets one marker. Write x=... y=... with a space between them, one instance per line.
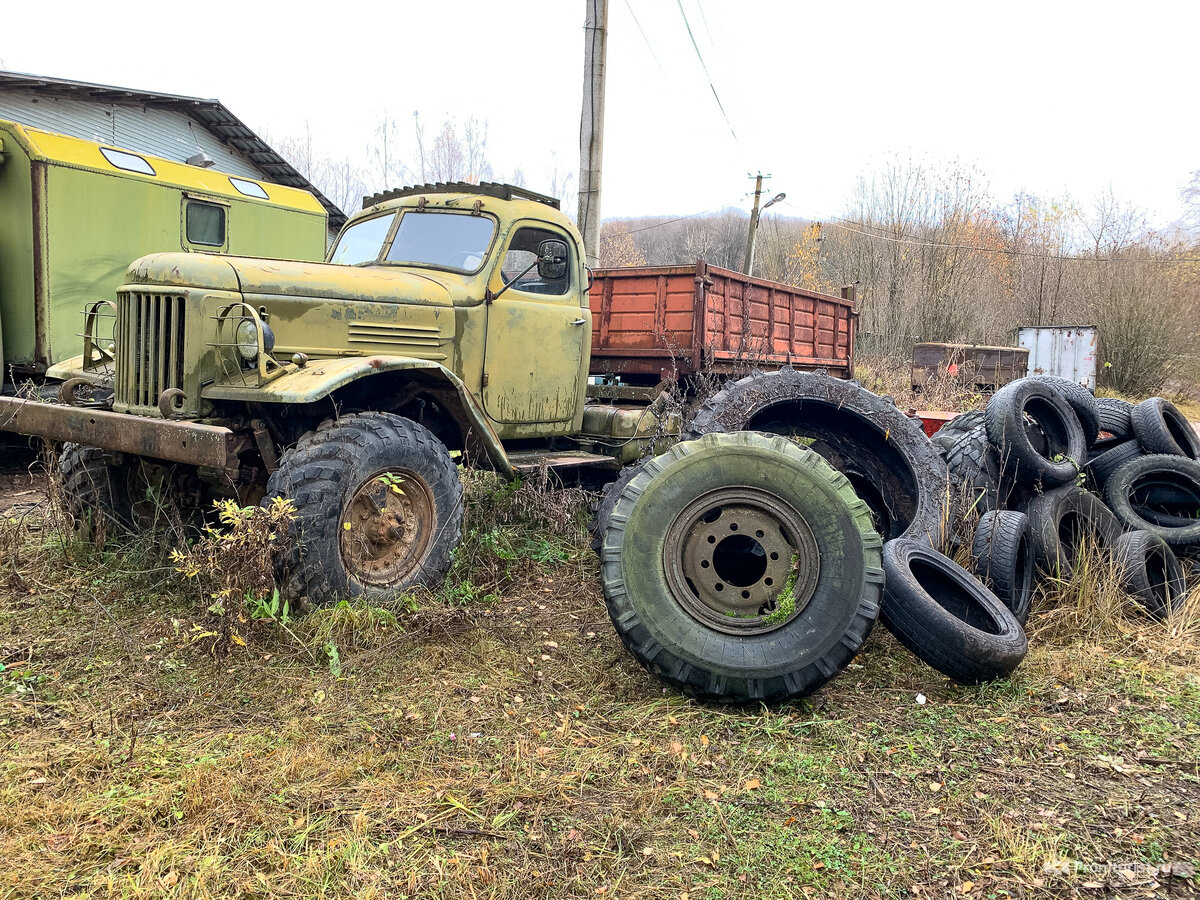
x=700 y=57
x=845 y=225
x=669 y=221
x=653 y=55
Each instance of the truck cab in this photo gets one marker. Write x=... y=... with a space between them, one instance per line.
x=469 y=300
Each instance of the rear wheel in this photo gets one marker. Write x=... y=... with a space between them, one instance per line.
x=378 y=509
x=741 y=567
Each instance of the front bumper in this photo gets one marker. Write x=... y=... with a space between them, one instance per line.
x=184 y=442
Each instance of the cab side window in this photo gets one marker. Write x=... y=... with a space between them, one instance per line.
x=523 y=253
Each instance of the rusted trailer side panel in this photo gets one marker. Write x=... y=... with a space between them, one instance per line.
x=654 y=321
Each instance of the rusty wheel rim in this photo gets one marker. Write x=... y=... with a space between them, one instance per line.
x=387 y=526
x=741 y=560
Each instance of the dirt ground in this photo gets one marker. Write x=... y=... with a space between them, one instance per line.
x=22 y=480
x=494 y=739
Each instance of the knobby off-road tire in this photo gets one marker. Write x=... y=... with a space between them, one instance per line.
x=947 y=436
x=981 y=481
x=1061 y=521
x=887 y=456
x=608 y=499
x=396 y=487
x=1065 y=444
x=741 y=567
x=1150 y=572
x=946 y=617
x=108 y=494
x=1080 y=399
x=1003 y=555
x=1159 y=494
x=1161 y=428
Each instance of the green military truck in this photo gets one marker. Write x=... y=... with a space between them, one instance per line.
x=458 y=324
x=73 y=213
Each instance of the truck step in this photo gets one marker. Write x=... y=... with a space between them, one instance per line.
x=528 y=460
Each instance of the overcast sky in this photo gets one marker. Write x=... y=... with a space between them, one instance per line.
x=1048 y=97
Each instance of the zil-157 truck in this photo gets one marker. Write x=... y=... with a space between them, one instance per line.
x=461 y=319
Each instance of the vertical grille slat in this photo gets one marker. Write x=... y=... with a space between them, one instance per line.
x=150 y=346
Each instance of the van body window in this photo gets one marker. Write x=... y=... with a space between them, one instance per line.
x=205 y=223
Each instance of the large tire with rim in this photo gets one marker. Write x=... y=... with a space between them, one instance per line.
x=1161 y=428
x=1002 y=552
x=946 y=617
x=1150 y=572
x=1159 y=494
x=887 y=456
x=1060 y=451
x=1061 y=521
x=741 y=567
x=378 y=509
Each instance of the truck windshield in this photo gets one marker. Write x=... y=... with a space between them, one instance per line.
x=362 y=241
x=457 y=241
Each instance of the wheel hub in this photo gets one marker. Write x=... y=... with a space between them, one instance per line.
x=387 y=527
x=741 y=560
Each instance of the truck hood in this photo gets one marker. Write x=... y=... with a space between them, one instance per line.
x=290 y=278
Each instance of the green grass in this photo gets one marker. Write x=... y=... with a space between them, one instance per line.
x=498 y=741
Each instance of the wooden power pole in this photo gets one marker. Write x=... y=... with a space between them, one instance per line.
x=748 y=264
x=591 y=127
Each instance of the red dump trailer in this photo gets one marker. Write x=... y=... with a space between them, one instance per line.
x=659 y=321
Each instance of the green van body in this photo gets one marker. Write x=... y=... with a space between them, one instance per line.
x=75 y=213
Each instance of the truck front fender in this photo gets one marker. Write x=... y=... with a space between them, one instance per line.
x=320 y=379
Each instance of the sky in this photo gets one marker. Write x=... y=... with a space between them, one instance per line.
x=1050 y=97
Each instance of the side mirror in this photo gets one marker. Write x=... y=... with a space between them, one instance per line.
x=552 y=260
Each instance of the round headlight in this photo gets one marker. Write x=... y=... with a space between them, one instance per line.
x=246 y=337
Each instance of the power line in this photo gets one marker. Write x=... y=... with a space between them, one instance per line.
x=669 y=221
x=845 y=225
x=700 y=57
x=653 y=55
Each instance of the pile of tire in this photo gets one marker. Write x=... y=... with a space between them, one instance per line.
x=1046 y=468
x=751 y=561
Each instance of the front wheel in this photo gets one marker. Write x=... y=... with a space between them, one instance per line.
x=378 y=509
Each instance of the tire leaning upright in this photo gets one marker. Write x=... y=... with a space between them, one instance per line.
x=741 y=567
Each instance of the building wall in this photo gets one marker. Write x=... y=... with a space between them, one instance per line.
x=145 y=129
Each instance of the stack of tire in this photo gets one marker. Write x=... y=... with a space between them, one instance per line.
x=1047 y=467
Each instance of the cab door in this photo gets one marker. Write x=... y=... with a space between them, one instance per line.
x=537 y=334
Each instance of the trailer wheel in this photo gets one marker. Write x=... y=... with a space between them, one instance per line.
x=741 y=567
x=378 y=509
x=859 y=433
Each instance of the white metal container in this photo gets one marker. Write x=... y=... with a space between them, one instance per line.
x=1068 y=351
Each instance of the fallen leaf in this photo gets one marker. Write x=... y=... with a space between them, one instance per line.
x=752 y=784
x=711 y=795
x=704 y=740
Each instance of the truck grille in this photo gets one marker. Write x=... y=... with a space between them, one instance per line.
x=149 y=349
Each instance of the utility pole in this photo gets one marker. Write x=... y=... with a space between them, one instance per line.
x=748 y=266
x=591 y=127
